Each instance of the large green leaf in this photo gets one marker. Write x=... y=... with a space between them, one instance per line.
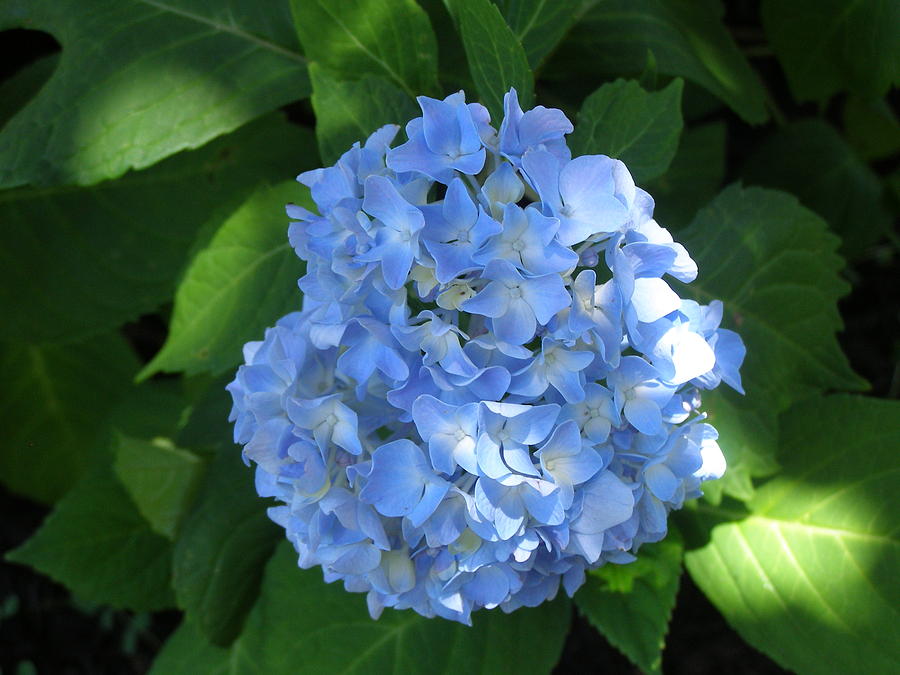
x=187 y=652
x=497 y=61
x=632 y=604
x=241 y=283
x=222 y=549
x=686 y=37
x=811 y=160
x=693 y=178
x=539 y=25
x=79 y=261
x=623 y=121
x=300 y=625
x=810 y=577
x=139 y=80
x=97 y=544
x=160 y=478
x=389 y=38
x=872 y=127
x=347 y=112
x=56 y=401
x=21 y=87
x=773 y=263
x=827 y=46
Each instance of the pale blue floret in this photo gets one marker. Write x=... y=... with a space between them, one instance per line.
x=396 y=244
x=528 y=242
x=515 y=303
x=639 y=394
x=402 y=483
x=446 y=139
x=491 y=388
x=454 y=231
x=555 y=366
x=506 y=432
x=450 y=431
x=580 y=192
x=568 y=460
x=538 y=127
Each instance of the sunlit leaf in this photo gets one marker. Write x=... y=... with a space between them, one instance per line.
x=810 y=577
x=139 y=80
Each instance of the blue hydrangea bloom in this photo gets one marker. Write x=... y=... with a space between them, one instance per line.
x=491 y=387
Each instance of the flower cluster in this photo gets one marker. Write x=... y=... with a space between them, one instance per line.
x=491 y=387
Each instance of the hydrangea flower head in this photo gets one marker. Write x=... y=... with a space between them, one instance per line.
x=491 y=387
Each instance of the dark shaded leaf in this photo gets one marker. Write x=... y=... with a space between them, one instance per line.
x=625 y=122
x=347 y=112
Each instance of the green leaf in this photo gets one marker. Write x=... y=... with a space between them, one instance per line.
x=827 y=46
x=687 y=37
x=347 y=112
x=693 y=178
x=187 y=652
x=872 y=128
x=203 y=429
x=56 y=400
x=810 y=577
x=76 y=262
x=497 y=61
x=300 y=625
x=632 y=604
x=389 y=38
x=97 y=544
x=222 y=549
x=161 y=479
x=155 y=408
x=625 y=122
x=811 y=160
x=539 y=25
x=139 y=80
x=773 y=264
x=299 y=622
x=241 y=283
x=21 y=87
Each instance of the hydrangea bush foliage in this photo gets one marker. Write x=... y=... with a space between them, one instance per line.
x=491 y=387
x=515 y=363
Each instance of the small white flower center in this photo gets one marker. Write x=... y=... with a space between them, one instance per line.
x=460 y=434
x=462 y=236
x=331 y=420
x=515 y=292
